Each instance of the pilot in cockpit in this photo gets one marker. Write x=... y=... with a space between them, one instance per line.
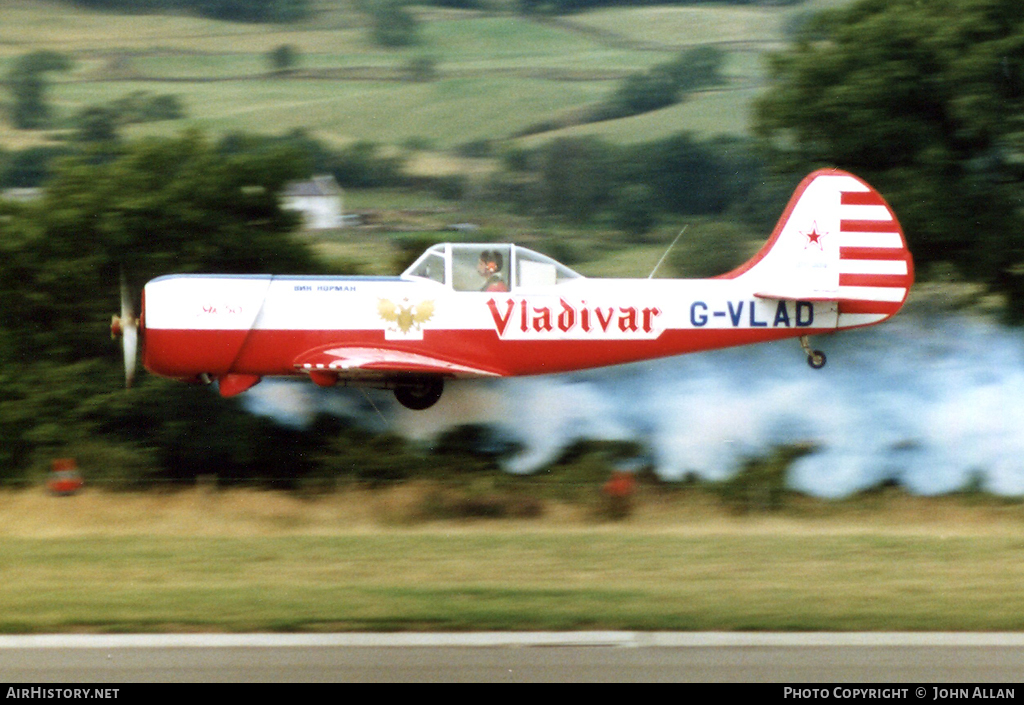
x=489 y=268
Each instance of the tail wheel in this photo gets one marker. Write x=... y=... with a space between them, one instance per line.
x=816 y=359
x=421 y=394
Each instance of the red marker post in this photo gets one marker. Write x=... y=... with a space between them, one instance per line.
x=618 y=491
x=65 y=478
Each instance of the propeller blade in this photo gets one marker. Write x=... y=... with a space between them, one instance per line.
x=130 y=344
x=129 y=333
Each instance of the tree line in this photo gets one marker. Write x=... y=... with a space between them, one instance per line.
x=233 y=10
x=585 y=179
x=567 y=6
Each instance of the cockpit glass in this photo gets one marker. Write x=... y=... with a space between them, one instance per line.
x=430 y=265
x=537 y=270
x=490 y=268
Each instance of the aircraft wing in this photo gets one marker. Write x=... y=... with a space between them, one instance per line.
x=345 y=361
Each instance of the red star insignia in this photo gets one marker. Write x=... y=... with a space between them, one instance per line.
x=814 y=238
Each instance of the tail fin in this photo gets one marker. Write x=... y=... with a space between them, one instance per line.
x=838 y=240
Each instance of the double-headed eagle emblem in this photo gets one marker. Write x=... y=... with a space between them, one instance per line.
x=405 y=318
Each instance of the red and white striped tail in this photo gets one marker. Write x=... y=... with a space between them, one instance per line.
x=876 y=270
x=838 y=240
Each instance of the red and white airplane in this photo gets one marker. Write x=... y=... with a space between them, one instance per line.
x=837 y=259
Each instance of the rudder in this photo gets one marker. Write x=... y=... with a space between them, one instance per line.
x=838 y=240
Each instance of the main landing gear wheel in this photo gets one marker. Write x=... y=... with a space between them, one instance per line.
x=815 y=358
x=421 y=394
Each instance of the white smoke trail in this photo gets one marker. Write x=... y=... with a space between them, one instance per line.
x=931 y=403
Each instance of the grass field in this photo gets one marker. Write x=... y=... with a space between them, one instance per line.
x=681 y=26
x=362 y=560
x=496 y=73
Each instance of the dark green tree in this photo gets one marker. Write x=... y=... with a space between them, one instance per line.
x=29 y=167
x=576 y=178
x=26 y=81
x=162 y=107
x=158 y=206
x=421 y=69
x=394 y=26
x=282 y=59
x=635 y=209
x=686 y=175
x=362 y=165
x=96 y=124
x=695 y=69
x=641 y=93
x=926 y=100
x=664 y=84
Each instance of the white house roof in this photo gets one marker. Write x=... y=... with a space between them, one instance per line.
x=325 y=186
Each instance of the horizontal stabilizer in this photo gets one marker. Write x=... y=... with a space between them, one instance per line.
x=794 y=295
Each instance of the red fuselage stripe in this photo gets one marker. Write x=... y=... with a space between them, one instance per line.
x=187 y=353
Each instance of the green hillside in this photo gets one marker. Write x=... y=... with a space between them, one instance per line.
x=492 y=74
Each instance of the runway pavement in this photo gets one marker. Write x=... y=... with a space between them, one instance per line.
x=802 y=658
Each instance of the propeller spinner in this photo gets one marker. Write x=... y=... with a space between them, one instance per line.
x=126 y=326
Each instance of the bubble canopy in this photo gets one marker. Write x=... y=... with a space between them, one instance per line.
x=464 y=267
